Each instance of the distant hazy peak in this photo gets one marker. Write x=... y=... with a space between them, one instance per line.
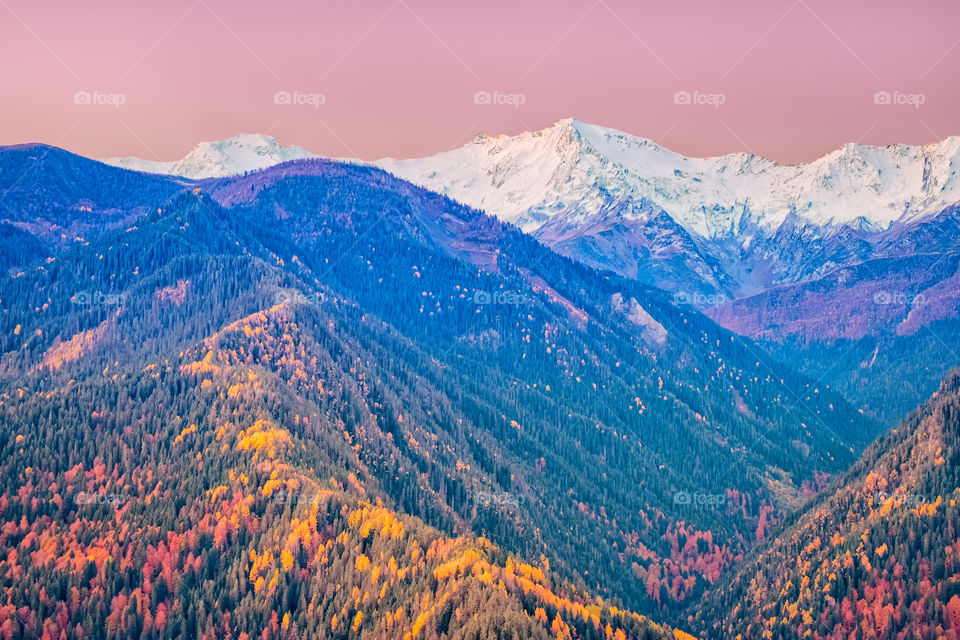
x=236 y=155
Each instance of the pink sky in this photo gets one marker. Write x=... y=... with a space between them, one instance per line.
x=796 y=78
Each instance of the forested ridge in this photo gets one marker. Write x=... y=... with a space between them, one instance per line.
x=250 y=394
x=201 y=498
x=876 y=556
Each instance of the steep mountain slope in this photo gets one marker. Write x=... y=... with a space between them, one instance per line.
x=826 y=262
x=883 y=375
x=908 y=279
x=883 y=330
x=53 y=198
x=483 y=383
x=234 y=156
x=183 y=458
x=876 y=556
x=194 y=498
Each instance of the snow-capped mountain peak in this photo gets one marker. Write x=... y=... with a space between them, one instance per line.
x=236 y=155
x=575 y=168
x=736 y=224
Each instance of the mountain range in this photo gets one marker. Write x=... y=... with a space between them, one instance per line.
x=832 y=264
x=591 y=189
x=307 y=398
x=323 y=327
x=318 y=401
x=711 y=229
